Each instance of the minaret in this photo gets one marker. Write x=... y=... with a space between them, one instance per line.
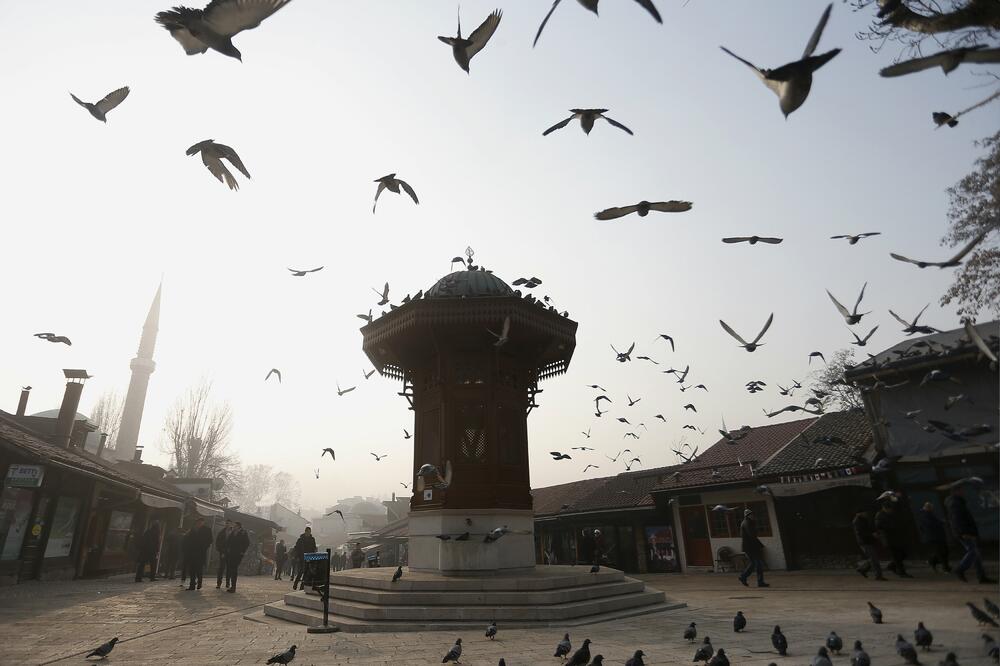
x=142 y=367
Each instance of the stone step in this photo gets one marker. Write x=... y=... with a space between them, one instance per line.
x=529 y=612
x=397 y=597
x=566 y=576
x=310 y=617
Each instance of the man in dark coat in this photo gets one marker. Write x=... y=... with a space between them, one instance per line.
x=304 y=544
x=148 y=547
x=236 y=546
x=588 y=547
x=864 y=534
x=220 y=549
x=964 y=527
x=934 y=535
x=171 y=553
x=890 y=531
x=752 y=548
x=195 y=546
x=280 y=553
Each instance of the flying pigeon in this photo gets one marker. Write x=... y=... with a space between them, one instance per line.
x=339 y=513
x=753 y=240
x=491 y=630
x=956 y=260
x=589 y=466
x=853 y=239
x=379 y=457
x=592 y=6
x=913 y=327
x=905 y=650
x=852 y=317
x=556 y=455
x=103 y=650
x=875 y=613
x=214 y=27
x=666 y=337
x=739 y=622
x=496 y=533
x=275 y=372
x=779 y=641
x=454 y=653
x=392 y=184
x=283 y=658
x=816 y=354
x=212 y=155
x=943 y=118
x=948 y=60
x=330 y=451
x=643 y=208
x=341 y=392
x=502 y=337
x=301 y=272
x=792 y=82
x=622 y=357
x=749 y=346
x=52 y=337
x=366 y=317
x=463 y=48
x=587 y=118
x=861 y=342
x=563 y=647
x=100 y=109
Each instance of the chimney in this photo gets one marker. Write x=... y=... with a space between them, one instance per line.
x=137 y=458
x=22 y=404
x=70 y=403
x=100 y=447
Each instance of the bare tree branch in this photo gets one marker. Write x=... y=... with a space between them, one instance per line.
x=198 y=438
x=829 y=379
x=106 y=414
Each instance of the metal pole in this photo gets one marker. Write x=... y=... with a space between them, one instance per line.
x=324 y=591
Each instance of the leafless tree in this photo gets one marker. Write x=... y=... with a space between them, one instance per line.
x=946 y=23
x=829 y=379
x=106 y=414
x=255 y=482
x=975 y=208
x=287 y=490
x=197 y=438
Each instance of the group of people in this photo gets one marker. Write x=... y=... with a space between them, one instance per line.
x=291 y=562
x=190 y=550
x=886 y=529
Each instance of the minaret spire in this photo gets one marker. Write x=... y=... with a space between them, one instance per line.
x=142 y=367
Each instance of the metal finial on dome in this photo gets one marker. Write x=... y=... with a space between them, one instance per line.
x=469 y=253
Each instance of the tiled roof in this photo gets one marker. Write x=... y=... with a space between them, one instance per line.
x=802 y=453
x=549 y=501
x=945 y=345
x=627 y=490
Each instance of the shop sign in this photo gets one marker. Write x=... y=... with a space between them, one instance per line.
x=24 y=476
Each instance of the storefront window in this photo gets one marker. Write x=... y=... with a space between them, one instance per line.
x=63 y=527
x=661 y=554
x=15 y=513
x=119 y=528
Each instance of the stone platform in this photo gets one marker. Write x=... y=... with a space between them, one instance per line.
x=366 y=600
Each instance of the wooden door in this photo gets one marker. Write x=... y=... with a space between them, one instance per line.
x=694 y=527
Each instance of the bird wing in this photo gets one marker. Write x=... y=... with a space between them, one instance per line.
x=409 y=190
x=229 y=17
x=78 y=100
x=840 y=308
x=736 y=239
x=768 y=239
x=767 y=325
x=797 y=68
x=481 y=35
x=870 y=334
x=968 y=248
x=544 y=21
x=731 y=332
x=173 y=22
x=558 y=125
x=914 y=65
x=672 y=206
x=506 y=327
x=615 y=212
x=378 y=191
x=818 y=32
x=746 y=62
x=920 y=314
x=977 y=339
x=983 y=55
x=630 y=349
x=230 y=154
x=649 y=7
x=860 y=296
x=899 y=319
x=219 y=170
x=348 y=390
x=112 y=99
x=617 y=124
x=899 y=257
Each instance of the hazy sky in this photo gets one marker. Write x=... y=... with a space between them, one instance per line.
x=332 y=95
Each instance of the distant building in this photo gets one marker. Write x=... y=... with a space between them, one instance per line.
x=290 y=523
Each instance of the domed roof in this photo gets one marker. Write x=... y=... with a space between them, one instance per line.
x=469 y=284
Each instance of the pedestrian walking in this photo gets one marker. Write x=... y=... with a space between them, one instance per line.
x=294 y=557
x=280 y=553
x=148 y=547
x=357 y=557
x=933 y=533
x=195 y=547
x=890 y=531
x=220 y=548
x=304 y=544
x=964 y=527
x=753 y=548
x=170 y=553
x=236 y=546
x=864 y=534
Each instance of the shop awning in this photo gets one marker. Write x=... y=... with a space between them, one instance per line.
x=157 y=502
x=208 y=510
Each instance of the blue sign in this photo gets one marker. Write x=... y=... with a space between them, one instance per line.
x=315 y=557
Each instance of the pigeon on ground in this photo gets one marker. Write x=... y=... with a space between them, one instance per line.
x=875 y=613
x=301 y=272
x=100 y=109
x=587 y=118
x=853 y=239
x=752 y=240
x=704 y=651
x=922 y=637
x=397 y=574
x=213 y=153
x=822 y=658
x=779 y=641
x=643 y=208
x=852 y=317
x=949 y=660
x=792 y=82
x=595 y=569
x=582 y=656
x=464 y=536
x=720 y=659
x=980 y=617
x=454 y=653
x=991 y=607
x=52 y=337
x=948 y=60
x=636 y=659
x=749 y=346
x=956 y=260
x=214 y=27
x=905 y=650
x=391 y=183
x=275 y=372
x=598 y=660
x=563 y=647
x=690 y=633
x=859 y=657
x=103 y=650
x=739 y=622
x=463 y=48
x=283 y=658
x=834 y=643
x=592 y=6
x=491 y=630
x=330 y=451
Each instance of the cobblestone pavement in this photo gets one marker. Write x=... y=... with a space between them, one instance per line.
x=56 y=622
